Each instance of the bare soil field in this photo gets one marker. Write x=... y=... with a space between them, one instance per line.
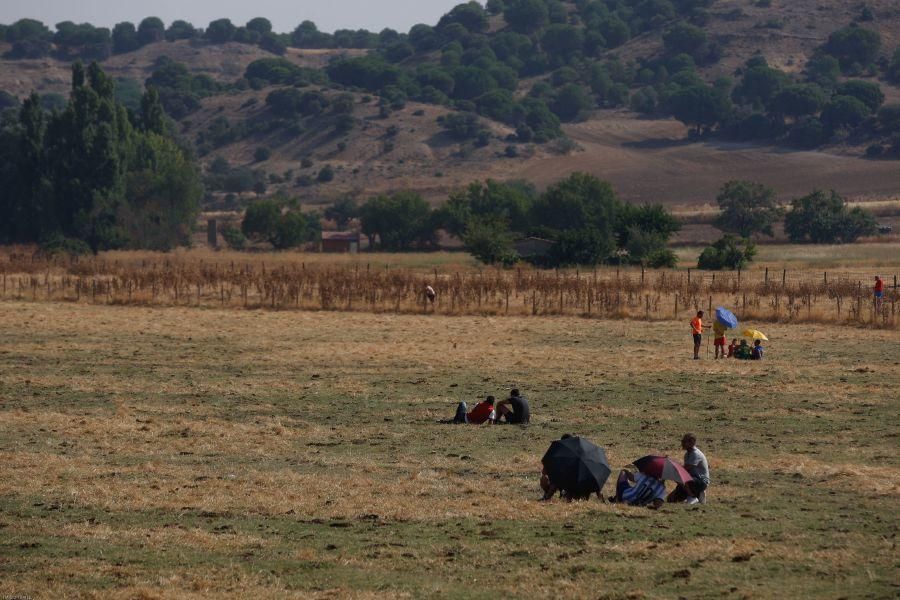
x=650 y=161
x=185 y=453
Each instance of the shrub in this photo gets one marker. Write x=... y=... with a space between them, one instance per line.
x=234 y=238
x=462 y=126
x=728 y=252
x=326 y=174
x=262 y=154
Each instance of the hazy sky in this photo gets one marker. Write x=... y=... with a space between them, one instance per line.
x=284 y=14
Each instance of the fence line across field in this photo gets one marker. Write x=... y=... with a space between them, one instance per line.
x=761 y=294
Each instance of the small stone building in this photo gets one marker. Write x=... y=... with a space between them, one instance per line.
x=340 y=242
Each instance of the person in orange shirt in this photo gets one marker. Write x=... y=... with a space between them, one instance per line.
x=697 y=332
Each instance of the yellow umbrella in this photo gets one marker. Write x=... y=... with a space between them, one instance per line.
x=755 y=334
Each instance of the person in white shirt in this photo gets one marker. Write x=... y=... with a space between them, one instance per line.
x=696 y=464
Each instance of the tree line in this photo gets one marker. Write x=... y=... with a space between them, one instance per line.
x=467 y=63
x=94 y=175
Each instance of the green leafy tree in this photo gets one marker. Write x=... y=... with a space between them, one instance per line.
x=162 y=195
x=685 y=38
x=260 y=25
x=125 y=38
x=400 y=221
x=180 y=30
x=728 y=252
x=490 y=241
x=153 y=116
x=747 y=208
x=759 y=85
x=854 y=45
x=151 y=30
x=280 y=222
x=824 y=218
x=893 y=69
x=526 y=15
x=85 y=173
x=343 y=211
x=221 y=31
x=470 y=15
x=844 y=111
x=577 y=202
x=699 y=106
x=866 y=92
x=570 y=102
x=798 y=100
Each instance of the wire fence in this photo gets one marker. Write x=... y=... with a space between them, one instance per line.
x=844 y=297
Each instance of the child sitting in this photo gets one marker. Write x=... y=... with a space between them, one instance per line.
x=757 y=352
x=732 y=349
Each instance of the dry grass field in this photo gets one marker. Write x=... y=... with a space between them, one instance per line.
x=192 y=453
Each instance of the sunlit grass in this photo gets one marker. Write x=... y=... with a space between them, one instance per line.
x=201 y=453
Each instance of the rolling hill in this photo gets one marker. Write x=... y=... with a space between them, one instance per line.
x=648 y=157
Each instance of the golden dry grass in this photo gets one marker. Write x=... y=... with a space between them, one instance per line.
x=187 y=453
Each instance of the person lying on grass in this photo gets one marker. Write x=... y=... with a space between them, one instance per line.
x=647 y=490
x=482 y=413
x=514 y=409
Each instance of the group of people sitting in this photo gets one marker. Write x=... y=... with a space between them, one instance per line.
x=513 y=410
x=743 y=351
x=640 y=489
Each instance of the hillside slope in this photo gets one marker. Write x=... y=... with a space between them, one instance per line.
x=648 y=159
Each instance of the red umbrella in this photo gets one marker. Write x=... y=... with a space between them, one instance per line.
x=663 y=467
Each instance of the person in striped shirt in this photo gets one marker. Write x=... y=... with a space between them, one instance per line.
x=647 y=490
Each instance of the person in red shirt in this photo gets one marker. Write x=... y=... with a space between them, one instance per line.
x=482 y=413
x=879 y=292
x=732 y=348
x=697 y=332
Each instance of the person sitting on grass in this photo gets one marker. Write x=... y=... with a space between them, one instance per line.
x=482 y=413
x=732 y=349
x=743 y=351
x=697 y=466
x=514 y=409
x=757 y=352
x=647 y=490
x=551 y=488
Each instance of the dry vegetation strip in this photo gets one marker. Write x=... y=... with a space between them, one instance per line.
x=182 y=453
x=288 y=283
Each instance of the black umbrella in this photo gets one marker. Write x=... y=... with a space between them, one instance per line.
x=576 y=465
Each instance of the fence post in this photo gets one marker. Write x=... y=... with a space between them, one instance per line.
x=784 y=278
x=689 y=277
x=826 y=277
x=767 y=276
